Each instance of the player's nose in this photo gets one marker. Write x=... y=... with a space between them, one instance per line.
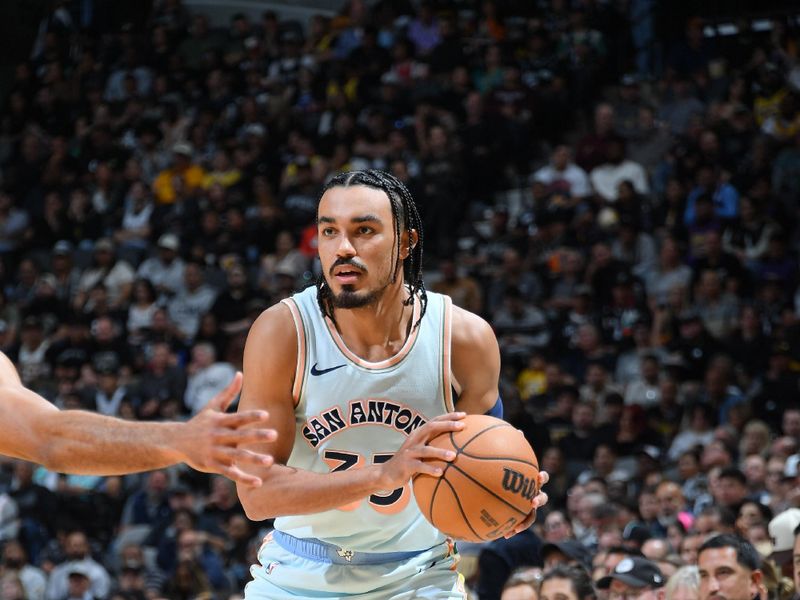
x=345 y=247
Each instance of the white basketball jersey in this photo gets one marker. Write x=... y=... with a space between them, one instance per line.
x=350 y=413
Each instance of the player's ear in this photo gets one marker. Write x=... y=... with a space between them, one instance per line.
x=408 y=242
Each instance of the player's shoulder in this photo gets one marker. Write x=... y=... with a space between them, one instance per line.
x=471 y=329
x=273 y=324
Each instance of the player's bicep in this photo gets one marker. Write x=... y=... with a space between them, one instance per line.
x=269 y=365
x=475 y=363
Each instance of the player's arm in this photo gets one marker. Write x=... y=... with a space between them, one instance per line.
x=270 y=359
x=73 y=441
x=475 y=364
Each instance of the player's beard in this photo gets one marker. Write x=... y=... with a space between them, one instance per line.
x=349 y=297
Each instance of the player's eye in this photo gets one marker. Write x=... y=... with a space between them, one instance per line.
x=364 y=230
x=327 y=231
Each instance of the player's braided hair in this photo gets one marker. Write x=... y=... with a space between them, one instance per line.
x=405 y=217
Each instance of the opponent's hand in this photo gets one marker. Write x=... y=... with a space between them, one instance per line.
x=413 y=455
x=210 y=440
x=539 y=500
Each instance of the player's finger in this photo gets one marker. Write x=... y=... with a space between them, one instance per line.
x=526 y=522
x=431 y=452
x=451 y=416
x=235 y=437
x=434 y=428
x=223 y=400
x=429 y=469
x=544 y=477
x=234 y=473
x=540 y=500
x=248 y=417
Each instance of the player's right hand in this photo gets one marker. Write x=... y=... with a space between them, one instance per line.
x=414 y=454
x=210 y=441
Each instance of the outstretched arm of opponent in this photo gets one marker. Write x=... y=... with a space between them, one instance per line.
x=289 y=491
x=72 y=441
x=476 y=371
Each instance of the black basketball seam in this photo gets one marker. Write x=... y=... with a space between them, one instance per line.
x=461 y=510
x=479 y=484
x=433 y=497
x=506 y=458
x=477 y=435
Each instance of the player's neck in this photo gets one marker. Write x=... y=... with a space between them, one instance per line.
x=378 y=331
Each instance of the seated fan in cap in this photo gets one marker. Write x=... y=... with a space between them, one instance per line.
x=634 y=577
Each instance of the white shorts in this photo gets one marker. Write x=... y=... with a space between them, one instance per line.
x=294 y=569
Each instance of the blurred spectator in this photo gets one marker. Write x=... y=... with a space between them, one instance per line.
x=115 y=275
x=206 y=377
x=196 y=298
x=32 y=580
x=148 y=506
x=179 y=180
x=164 y=271
x=615 y=169
x=65 y=578
x=464 y=290
x=684 y=584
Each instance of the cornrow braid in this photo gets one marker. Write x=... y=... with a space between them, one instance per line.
x=405 y=217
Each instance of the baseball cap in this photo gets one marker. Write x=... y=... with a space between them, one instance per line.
x=79 y=567
x=571 y=548
x=636 y=532
x=791 y=468
x=653 y=452
x=636 y=572
x=183 y=148
x=781 y=530
x=104 y=244
x=169 y=241
x=62 y=248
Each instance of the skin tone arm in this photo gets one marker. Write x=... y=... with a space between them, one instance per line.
x=290 y=491
x=475 y=364
x=72 y=441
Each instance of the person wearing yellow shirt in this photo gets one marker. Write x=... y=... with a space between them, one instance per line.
x=183 y=177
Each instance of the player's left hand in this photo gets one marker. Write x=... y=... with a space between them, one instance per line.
x=539 y=500
x=210 y=441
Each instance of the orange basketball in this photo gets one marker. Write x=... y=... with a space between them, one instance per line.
x=487 y=490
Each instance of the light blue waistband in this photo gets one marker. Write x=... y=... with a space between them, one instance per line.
x=314 y=549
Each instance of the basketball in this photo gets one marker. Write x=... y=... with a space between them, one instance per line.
x=487 y=489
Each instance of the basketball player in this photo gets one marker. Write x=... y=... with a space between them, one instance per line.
x=72 y=441
x=358 y=374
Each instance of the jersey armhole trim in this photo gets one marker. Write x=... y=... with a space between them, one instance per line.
x=447 y=330
x=300 y=368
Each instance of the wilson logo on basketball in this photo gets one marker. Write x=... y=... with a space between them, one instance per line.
x=517 y=483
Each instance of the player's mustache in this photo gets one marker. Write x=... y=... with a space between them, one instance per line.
x=349 y=262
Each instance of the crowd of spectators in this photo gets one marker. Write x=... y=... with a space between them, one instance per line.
x=620 y=207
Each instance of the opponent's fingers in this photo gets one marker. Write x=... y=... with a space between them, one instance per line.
x=235 y=437
x=234 y=473
x=223 y=400
x=240 y=419
x=229 y=456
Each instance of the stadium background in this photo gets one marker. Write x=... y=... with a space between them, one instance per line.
x=612 y=185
